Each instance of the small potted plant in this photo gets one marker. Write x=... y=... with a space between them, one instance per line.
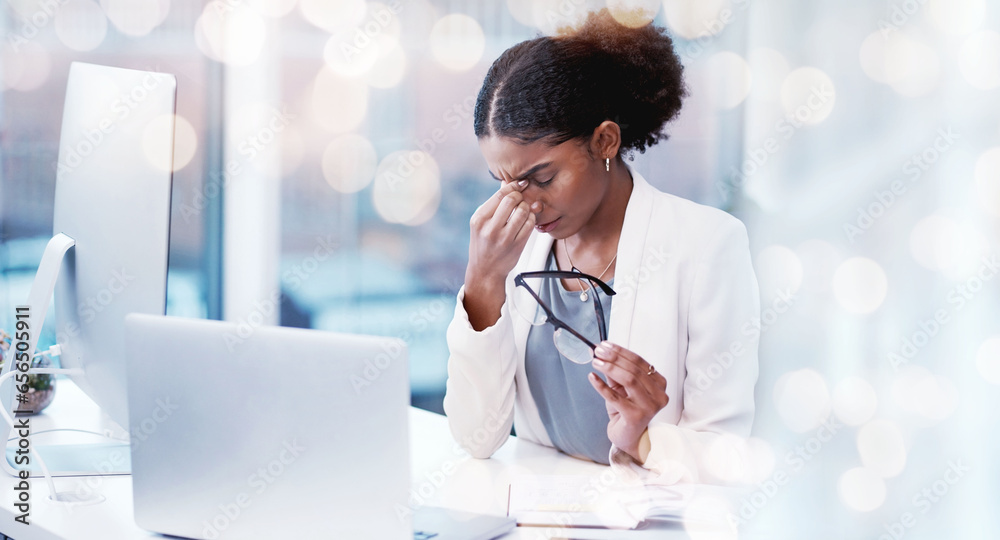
x=41 y=388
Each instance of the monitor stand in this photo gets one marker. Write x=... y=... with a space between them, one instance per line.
x=95 y=459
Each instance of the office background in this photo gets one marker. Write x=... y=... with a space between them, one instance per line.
x=326 y=169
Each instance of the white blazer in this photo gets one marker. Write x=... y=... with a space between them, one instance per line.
x=687 y=302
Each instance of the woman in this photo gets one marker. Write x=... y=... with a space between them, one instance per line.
x=673 y=382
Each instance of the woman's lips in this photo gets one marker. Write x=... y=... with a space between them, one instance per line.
x=546 y=227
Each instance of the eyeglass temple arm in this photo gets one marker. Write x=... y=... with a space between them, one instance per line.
x=569 y=275
x=599 y=310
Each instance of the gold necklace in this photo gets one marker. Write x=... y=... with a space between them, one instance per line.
x=583 y=293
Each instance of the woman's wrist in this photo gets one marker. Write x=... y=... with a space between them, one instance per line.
x=633 y=446
x=644 y=446
x=483 y=300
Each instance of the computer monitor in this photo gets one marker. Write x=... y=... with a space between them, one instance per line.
x=108 y=255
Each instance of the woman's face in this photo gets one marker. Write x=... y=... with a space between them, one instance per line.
x=565 y=183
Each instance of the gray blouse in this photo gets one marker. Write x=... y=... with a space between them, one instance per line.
x=574 y=414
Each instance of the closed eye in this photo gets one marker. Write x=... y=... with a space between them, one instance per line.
x=545 y=183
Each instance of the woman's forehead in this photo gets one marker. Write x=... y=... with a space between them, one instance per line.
x=514 y=159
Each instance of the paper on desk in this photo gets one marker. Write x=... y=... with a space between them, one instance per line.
x=590 y=501
x=566 y=500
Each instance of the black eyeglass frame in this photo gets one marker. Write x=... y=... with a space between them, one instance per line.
x=555 y=321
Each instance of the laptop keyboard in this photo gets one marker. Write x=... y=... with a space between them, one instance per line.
x=422 y=535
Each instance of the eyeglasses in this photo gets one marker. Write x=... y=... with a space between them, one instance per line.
x=570 y=343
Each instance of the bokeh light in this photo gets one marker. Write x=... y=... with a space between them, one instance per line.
x=854 y=401
x=389 y=69
x=136 y=17
x=633 y=13
x=349 y=163
x=81 y=25
x=979 y=60
x=373 y=44
x=988 y=359
x=234 y=35
x=802 y=400
x=940 y=243
x=915 y=389
x=988 y=180
x=910 y=67
x=882 y=449
x=522 y=11
x=25 y=68
x=338 y=104
x=273 y=8
x=185 y=142
x=727 y=457
x=347 y=59
x=956 y=17
x=808 y=95
x=457 y=42
x=730 y=79
x=407 y=187
x=333 y=16
x=768 y=68
x=691 y=19
x=861 y=489
x=860 y=285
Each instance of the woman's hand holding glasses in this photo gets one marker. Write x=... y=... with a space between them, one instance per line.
x=634 y=393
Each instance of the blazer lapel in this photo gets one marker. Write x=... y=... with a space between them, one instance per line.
x=631 y=247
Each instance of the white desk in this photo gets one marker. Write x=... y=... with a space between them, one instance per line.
x=442 y=474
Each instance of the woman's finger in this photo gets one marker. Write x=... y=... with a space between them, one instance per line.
x=614 y=353
x=489 y=207
x=602 y=388
x=616 y=386
x=633 y=363
x=636 y=391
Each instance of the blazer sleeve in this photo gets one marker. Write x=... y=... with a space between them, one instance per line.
x=480 y=392
x=708 y=443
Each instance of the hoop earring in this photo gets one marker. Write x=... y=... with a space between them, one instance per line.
x=607 y=164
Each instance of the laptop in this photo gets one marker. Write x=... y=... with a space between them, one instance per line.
x=271 y=432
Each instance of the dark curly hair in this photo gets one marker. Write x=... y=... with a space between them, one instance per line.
x=562 y=87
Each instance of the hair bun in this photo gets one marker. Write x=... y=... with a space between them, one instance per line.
x=562 y=87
